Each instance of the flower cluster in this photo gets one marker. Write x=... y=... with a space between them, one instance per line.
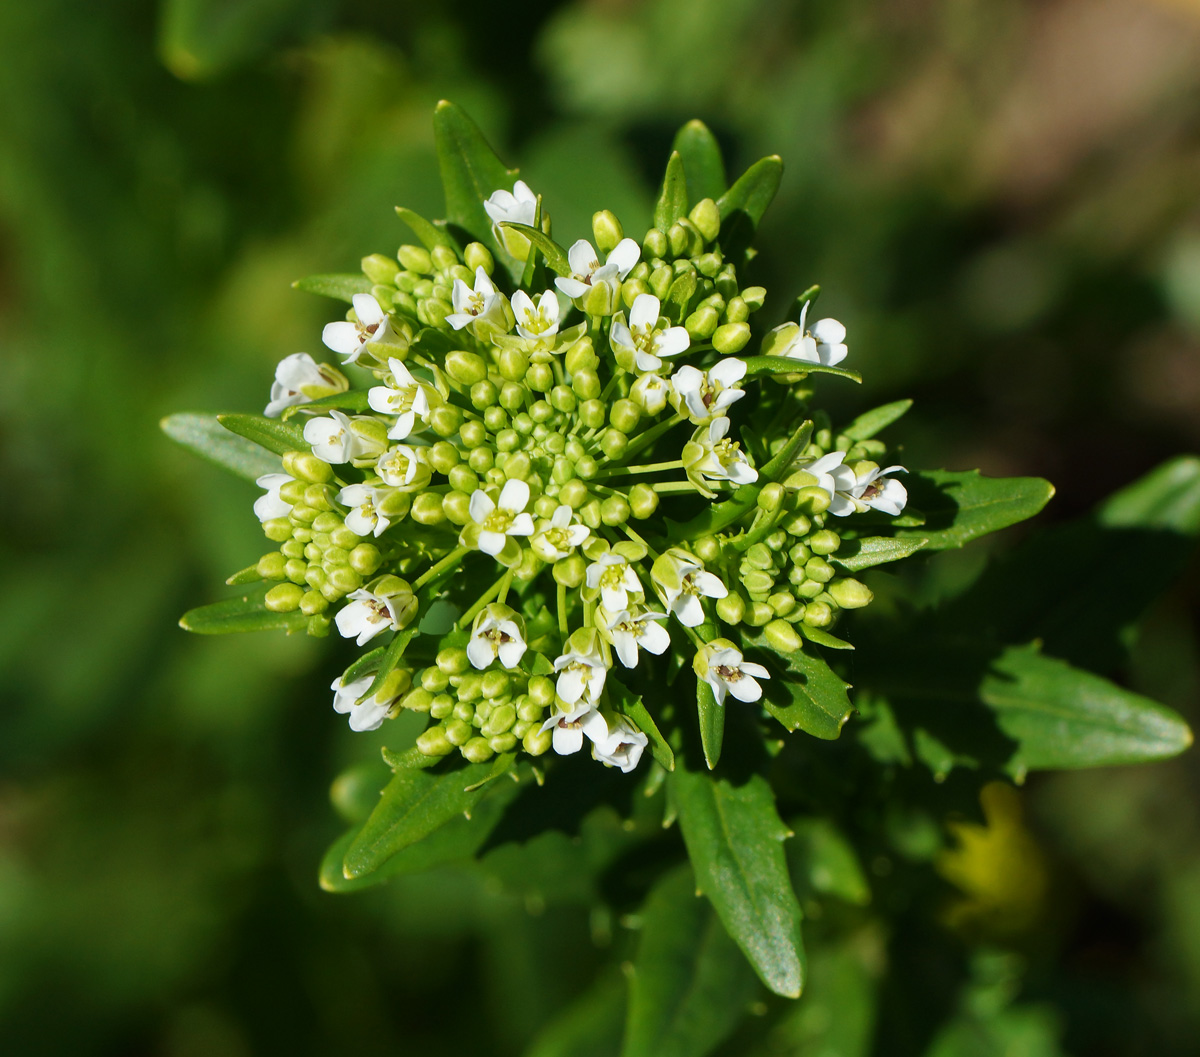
x=557 y=460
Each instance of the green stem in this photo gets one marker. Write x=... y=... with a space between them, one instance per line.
x=668 y=487
x=434 y=570
x=485 y=598
x=562 y=610
x=652 y=434
x=646 y=467
x=505 y=584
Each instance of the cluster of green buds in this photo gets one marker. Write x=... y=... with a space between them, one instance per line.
x=539 y=470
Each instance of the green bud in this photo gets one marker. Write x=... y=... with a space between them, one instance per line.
x=569 y=571
x=457 y=507
x=442 y=457
x=512 y=396
x=824 y=542
x=849 y=593
x=678 y=239
x=294 y=569
x=707 y=218
x=470 y=687
x=541 y=691
x=365 y=559
x=414 y=259
x=660 y=281
x=643 y=501
x=731 y=338
x=770 y=497
x=812 y=500
x=782 y=603
x=380 y=269
x=625 y=415
x=708 y=264
x=292 y=549
x=292 y=491
x=581 y=357
x=318 y=625
x=600 y=300
x=537 y=742
x=472 y=433
x=320 y=497
x=541 y=412
x=277 y=529
x=759 y=556
x=433 y=742
x=818 y=615
x=737 y=311
x=344 y=579
x=799 y=554
x=307 y=467
x=586 y=467
x=818 y=569
x=463 y=479
x=562 y=399
x=707 y=549
x=427 y=507
x=731 y=608
x=540 y=377
x=758 y=582
x=615 y=510
x=503 y=742
x=283 y=598
x=477 y=255
x=495 y=419
x=782 y=636
x=458 y=731
x=433 y=312
x=452 y=660
x=434 y=680
x=513 y=364
x=270 y=566
x=702 y=323
x=807 y=588
x=522 y=423
x=797 y=524
x=466 y=368
x=327 y=522
x=754 y=296
x=418 y=699
x=777 y=541
x=442 y=706
x=313 y=602
x=496 y=683
x=480 y=459
x=613 y=443
x=483 y=394
x=529 y=566
x=654 y=244
x=586 y=384
x=445 y=420
x=517 y=466
x=632 y=289
x=500 y=721
x=444 y=258
x=589 y=514
x=759 y=614
x=574 y=493
x=606 y=230
x=592 y=413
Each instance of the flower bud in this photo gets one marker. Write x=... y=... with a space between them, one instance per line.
x=812 y=500
x=540 y=377
x=731 y=608
x=758 y=614
x=613 y=443
x=277 y=529
x=600 y=300
x=283 y=598
x=781 y=636
x=500 y=721
x=477 y=255
x=270 y=566
x=414 y=259
x=818 y=615
x=824 y=542
x=433 y=742
x=562 y=399
x=754 y=296
x=807 y=588
x=782 y=603
x=632 y=289
x=758 y=582
x=294 y=569
x=483 y=394
x=737 y=311
x=770 y=497
x=586 y=384
x=516 y=466
x=569 y=571
x=592 y=413
x=513 y=364
x=445 y=420
x=574 y=493
x=678 y=239
x=318 y=625
x=731 y=338
x=606 y=230
x=457 y=507
x=537 y=742
x=615 y=510
x=654 y=244
x=365 y=559
x=433 y=312
x=707 y=219
x=643 y=501
x=427 y=507
x=505 y=742
x=849 y=593
x=818 y=569
x=759 y=556
x=702 y=323
x=581 y=357
x=466 y=368
x=481 y=459
x=312 y=603
x=379 y=269
x=541 y=412
x=708 y=264
x=529 y=566
x=589 y=514
x=660 y=281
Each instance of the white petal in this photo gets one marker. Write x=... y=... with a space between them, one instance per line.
x=645 y=311
x=672 y=342
x=522 y=525
x=369 y=715
x=479 y=652
x=655 y=638
x=480 y=506
x=583 y=258
x=341 y=337
x=367 y=309
x=829 y=332
x=728 y=372
x=514 y=497
x=567 y=740
x=511 y=652
x=745 y=688
x=572 y=287
x=492 y=542
x=625 y=256
x=689 y=611
x=271 y=506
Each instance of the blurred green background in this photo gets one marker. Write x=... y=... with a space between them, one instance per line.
x=1001 y=199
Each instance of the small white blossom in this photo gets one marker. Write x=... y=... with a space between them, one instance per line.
x=536 y=321
x=711 y=456
x=628 y=630
x=870 y=489
x=405 y=397
x=364 y=715
x=621 y=746
x=555 y=539
x=642 y=341
x=681 y=581
x=703 y=396
x=272 y=505
x=582 y=668
x=333 y=439
x=369 y=614
x=720 y=664
x=830 y=472
x=616 y=579
x=497 y=521
x=587 y=271
x=484 y=302
x=299 y=379
x=518 y=206
x=498 y=631
x=824 y=344
x=650 y=393
x=570 y=727
x=350 y=339
x=363 y=518
x=401 y=467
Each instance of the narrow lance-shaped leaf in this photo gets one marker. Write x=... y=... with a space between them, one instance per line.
x=688 y=987
x=772 y=365
x=355 y=400
x=702 y=162
x=270 y=433
x=339 y=287
x=237 y=615
x=876 y=420
x=810 y=697
x=431 y=235
x=712 y=722
x=962 y=506
x=743 y=205
x=673 y=199
x=555 y=255
x=734 y=838
x=631 y=705
x=866 y=553
x=204 y=435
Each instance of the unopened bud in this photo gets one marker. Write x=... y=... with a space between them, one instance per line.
x=770 y=497
x=592 y=413
x=589 y=514
x=643 y=501
x=613 y=443
x=380 y=269
x=466 y=368
x=457 y=507
x=445 y=420
x=433 y=742
x=606 y=230
x=505 y=742
x=737 y=311
x=818 y=615
x=782 y=603
x=477 y=255
x=782 y=636
x=731 y=338
x=270 y=566
x=615 y=510
x=812 y=500
x=731 y=608
x=849 y=593
x=365 y=559
x=707 y=218
x=414 y=259
x=443 y=257
x=824 y=542
x=513 y=364
x=599 y=300
x=654 y=244
x=758 y=582
x=537 y=742
x=632 y=289
x=569 y=571
x=483 y=394
x=283 y=598
x=754 y=296
x=581 y=357
x=586 y=384
x=759 y=556
x=574 y=493
x=427 y=508
x=703 y=323
x=818 y=569
x=759 y=614
x=562 y=399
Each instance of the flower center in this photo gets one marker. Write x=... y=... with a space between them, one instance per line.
x=729 y=674
x=498 y=520
x=536 y=321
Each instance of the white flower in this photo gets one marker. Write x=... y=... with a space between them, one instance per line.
x=706 y=395
x=681 y=581
x=720 y=664
x=870 y=489
x=616 y=579
x=272 y=505
x=364 y=518
x=401 y=467
x=825 y=344
x=350 y=339
x=570 y=727
x=369 y=614
x=556 y=538
x=628 y=630
x=536 y=321
x=830 y=472
x=587 y=272
x=498 y=631
x=299 y=379
x=642 y=341
x=364 y=715
x=405 y=397
x=622 y=744
x=518 y=206
x=711 y=456
x=582 y=668
x=333 y=439
x=497 y=521
x=484 y=302
x=650 y=393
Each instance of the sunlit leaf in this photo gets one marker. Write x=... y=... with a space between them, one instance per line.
x=961 y=506
x=236 y=615
x=702 y=162
x=339 y=287
x=808 y=696
x=270 y=433
x=204 y=435
x=673 y=198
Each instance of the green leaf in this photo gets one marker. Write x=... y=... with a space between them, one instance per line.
x=702 y=162
x=673 y=199
x=811 y=698
x=743 y=205
x=824 y=862
x=772 y=365
x=270 y=433
x=248 y=575
x=866 y=553
x=416 y=804
x=212 y=441
x=198 y=39
x=237 y=615
x=354 y=400
x=712 y=722
x=591 y=1026
x=823 y=638
x=875 y=421
x=555 y=255
x=1062 y=717
x=431 y=235
x=778 y=465
x=630 y=704
x=734 y=838
x=339 y=287
x=688 y=988
x=962 y=506
x=471 y=172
